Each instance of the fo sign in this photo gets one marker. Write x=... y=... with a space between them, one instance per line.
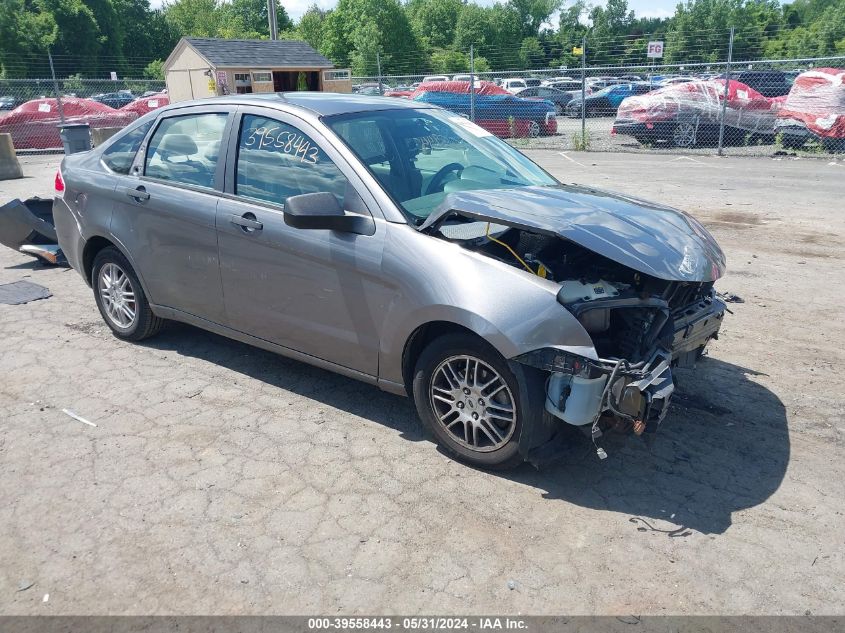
x=655 y=50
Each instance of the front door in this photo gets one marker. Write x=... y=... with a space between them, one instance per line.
x=315 y=291
x=166 y=212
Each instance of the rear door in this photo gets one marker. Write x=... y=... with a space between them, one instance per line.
x=166 y=210
x=318 y=292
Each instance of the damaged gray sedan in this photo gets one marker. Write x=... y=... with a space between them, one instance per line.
x=402 y=245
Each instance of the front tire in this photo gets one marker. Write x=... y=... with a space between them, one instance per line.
x=468 y=399
x=120 y=298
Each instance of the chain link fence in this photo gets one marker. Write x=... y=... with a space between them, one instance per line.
x=32 y=110
x=714 y=104
x=649 y=93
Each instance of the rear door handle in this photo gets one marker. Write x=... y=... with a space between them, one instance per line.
x=140 y=194
x=247 y=221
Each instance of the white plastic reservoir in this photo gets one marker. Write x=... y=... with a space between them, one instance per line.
x=582 y=404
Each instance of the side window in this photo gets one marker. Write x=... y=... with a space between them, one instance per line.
x=185 y=149
x=120 y=154
x=277 y=161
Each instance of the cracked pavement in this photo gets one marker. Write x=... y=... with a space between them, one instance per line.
x=222 y=479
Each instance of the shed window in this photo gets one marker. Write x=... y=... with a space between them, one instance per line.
x=262 y=76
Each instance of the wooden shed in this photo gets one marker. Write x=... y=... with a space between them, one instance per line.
x=204 y=67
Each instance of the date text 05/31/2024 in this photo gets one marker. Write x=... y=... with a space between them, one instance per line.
x=417 y=623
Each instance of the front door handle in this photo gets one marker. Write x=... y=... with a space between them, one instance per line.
x=138 y=194
x=247 y=221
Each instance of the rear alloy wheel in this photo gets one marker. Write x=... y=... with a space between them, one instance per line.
x=533 y=129
x=468 y=398
x=120 y=298
x=684 y=134
x=118 y=295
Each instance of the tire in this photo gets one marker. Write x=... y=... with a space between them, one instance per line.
x=684 y=134
x=792 y=142
x=128 y=314
x=478 y=430
x=533 y=129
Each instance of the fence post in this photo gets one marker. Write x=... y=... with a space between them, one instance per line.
x=584 y=91
x=471 y=83
x=727 y=91
x=378 y=66
x=56 y=89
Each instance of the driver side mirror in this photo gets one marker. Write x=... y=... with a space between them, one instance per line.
x=323 y=211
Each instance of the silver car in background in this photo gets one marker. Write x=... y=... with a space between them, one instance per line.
x=402 y=245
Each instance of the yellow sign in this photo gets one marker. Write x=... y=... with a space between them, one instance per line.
x=212 y=87
x=577 y=50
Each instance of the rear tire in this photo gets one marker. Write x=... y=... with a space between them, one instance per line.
x=120 y=297
x=468 y=399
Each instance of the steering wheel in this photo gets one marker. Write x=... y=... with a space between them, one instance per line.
x=438 y=180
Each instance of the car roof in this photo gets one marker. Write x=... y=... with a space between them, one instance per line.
x=320 y=103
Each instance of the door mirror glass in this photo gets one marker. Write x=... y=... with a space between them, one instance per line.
x=323 y=211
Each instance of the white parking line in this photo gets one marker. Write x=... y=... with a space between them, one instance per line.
x=569 y=158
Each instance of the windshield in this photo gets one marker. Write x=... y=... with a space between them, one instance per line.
x=420 y=156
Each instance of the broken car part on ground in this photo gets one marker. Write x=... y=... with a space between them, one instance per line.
x=402 y=245
x=28 y=227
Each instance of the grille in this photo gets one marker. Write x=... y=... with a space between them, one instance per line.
x=681 y=295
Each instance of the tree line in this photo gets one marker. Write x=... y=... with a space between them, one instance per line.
x=93 y=37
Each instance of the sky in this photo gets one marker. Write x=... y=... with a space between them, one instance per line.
x=643 y=8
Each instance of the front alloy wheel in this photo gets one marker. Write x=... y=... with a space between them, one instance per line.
x=533 y=129
x=473 y=403
x=468 y=398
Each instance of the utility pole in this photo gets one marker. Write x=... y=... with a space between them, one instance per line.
x=56 y=89
x=471 y=83
x=378 y=68
x=271 y=18
x=584 y=91
x=727 y=90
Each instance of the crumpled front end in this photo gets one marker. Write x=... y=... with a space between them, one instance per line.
x=638 y=279
x=638 y=340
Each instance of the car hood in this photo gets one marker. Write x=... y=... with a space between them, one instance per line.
x=647 y=237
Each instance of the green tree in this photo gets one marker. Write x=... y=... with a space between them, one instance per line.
x=251 y=16
x=533 y=13
x=310 y=27
x=433 y=21
x=531 y=53
x=154 y=70
x=77 y=42
x=25 y=34
x=446 y=62
x=356 y=30
x=197 y=18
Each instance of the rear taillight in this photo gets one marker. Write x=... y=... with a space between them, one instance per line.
x=60 y=183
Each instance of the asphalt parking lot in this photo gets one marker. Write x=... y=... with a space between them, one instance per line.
x=221 y=479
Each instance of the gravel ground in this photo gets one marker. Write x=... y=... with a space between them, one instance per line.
x=221 y=479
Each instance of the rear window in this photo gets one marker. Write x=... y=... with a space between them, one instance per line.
x=119 y=155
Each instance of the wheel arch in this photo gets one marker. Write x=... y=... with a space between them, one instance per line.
x=420 y=338
x=97 y=243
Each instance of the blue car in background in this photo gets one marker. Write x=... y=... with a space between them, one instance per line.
x=606 y=101
x=505 y=115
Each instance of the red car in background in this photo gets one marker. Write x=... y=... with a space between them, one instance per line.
x=35 y=124
x=689 y=114
x=142 y=105
x=814 y=108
